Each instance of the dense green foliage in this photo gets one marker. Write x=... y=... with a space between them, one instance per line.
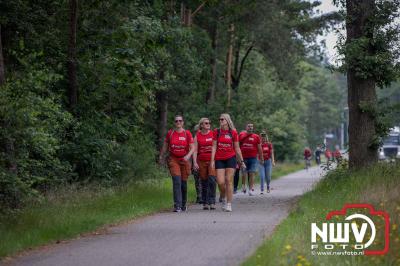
x=137 y=60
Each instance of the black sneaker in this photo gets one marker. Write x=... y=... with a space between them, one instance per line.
x=184 y=208
x=212 y=206
x=268 y=190
x=205 y=207
x=177 y=209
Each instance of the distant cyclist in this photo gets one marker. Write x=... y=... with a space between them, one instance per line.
x=179 y=143
x=307 y=157
x=203 y=142
x=225 y=150
x=328 y=156
x=318 y=152
x=250 y=145
x=337 y=154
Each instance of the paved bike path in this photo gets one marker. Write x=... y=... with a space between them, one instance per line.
x=196 y=237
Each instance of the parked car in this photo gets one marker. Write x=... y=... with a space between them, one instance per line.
x=391 y=146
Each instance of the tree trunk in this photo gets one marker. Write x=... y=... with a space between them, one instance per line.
x=72 y=62
x=361 y=91
x=9 y=147
x=229 y=64
x=2 y=68
x=213 y=62
x=162 y=100
x=239 y=68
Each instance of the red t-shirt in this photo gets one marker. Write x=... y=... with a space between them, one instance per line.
x=337 y=154
x=248 y=144
x=178 y=143
x=328 y=154
x=307 y=153
x=204 y=145
x=225 y=148
x=267 y=150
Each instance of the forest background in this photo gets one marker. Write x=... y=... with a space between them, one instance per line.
x=88 y=89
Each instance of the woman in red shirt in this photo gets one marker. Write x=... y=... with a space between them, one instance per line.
x=201 y=160
x=225 y=149
x=269 y=161
x=179 y=143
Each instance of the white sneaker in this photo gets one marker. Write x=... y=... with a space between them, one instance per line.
x=224 y=206
x=244 y=189
x=251 y=192
x=228 y=207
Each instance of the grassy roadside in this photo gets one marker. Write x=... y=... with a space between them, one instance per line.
x=290 y=244
x=69 y=213
x=282 y=169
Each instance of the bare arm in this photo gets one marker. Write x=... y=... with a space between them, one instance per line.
x=162 y=152
x=191 y=151
x=196 y=148
x=260 y=153
x=239 y=153
x=213 y=151
x=273 y=157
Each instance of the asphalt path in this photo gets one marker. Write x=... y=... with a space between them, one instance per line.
x=195 y=237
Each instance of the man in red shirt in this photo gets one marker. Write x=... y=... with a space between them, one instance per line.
x=337 y=154
x=307 y=157
x=250 y=145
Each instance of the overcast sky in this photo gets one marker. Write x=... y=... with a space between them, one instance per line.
x=330 y=38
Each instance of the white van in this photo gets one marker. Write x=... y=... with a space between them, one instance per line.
x=391 y=145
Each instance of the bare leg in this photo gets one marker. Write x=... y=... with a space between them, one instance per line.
x=244 y=177
x=228 y=184
x=221 y=182
x=251 y=180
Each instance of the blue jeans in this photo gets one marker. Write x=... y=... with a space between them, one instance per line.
x=251 y=165
x=265 y=173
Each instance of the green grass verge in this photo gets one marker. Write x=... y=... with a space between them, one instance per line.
x=66 y=214
x=290 y=244
x=282 y=169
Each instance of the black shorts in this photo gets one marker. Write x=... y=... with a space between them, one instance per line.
x=228 y=163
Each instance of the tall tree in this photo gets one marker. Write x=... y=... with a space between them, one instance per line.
x=370 y=62
x=361 y=90
x=72 y=61
x=2 y=68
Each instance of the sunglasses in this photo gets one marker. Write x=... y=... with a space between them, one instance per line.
x=176 y=121
x=206 y=123
x=221 y=119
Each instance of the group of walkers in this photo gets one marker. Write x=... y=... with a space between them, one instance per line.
x=217 y=156
x=329 y=155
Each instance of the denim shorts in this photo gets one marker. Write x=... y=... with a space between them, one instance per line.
x=251 y=165
x=228 y=163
